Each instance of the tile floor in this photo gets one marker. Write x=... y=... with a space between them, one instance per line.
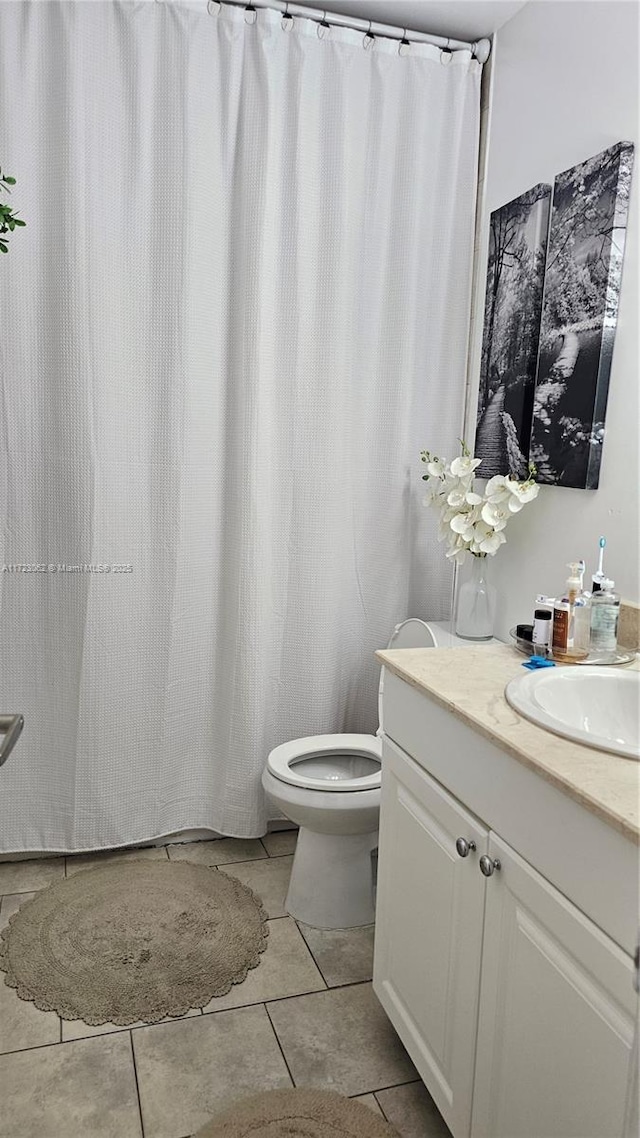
x=307 y=1016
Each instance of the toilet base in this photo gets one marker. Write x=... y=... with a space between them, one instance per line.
x=331 y=884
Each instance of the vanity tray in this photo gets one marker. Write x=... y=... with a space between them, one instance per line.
x=622 y=656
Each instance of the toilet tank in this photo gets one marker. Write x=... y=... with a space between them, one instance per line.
x=414 y=633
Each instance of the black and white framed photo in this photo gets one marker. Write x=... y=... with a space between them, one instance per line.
x=515 y=276
x=581 y=293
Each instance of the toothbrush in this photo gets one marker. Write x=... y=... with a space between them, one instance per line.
x=598 y=576
x=601 y=543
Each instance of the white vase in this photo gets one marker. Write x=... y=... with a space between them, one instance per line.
x=476 y=602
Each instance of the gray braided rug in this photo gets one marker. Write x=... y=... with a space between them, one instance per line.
x=298 y=1114
x=134 y=941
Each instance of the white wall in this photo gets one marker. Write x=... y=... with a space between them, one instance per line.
x=565 y=86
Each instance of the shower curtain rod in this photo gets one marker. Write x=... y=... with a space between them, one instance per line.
x=480 y=49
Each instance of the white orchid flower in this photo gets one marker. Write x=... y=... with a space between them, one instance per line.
x=495 y=515
x=523 y=491
x=495 y=484
x=492 y=543
x=499 y=493
x=470 y=522
x=464 y=466
x=460 y=523
x=457 y=550
x=435 y=468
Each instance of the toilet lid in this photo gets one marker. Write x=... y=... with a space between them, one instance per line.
x=329 y=762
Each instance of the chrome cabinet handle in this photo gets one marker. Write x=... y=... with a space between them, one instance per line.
x=489 y=865
x=11 y=726
x=464 y=847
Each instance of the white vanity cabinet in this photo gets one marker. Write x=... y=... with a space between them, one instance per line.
x=427 y=971
x=517 y=1008
x=555 y=1031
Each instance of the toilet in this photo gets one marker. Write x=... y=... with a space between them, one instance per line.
x=329 y=785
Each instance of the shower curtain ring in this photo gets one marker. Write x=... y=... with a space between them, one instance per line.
x=404 y=42
x=446 y=53
x=324 y=25
x=213 y=7
x=250 y=8
x=286 y=17
x=368 y=38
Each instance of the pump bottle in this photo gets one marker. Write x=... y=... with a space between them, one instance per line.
x=564 y=610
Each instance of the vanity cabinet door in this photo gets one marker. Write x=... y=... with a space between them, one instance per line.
x=557 y=1009
x=429 y=917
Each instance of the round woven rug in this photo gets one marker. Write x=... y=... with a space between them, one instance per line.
x=135 y=940
x=298 y=1114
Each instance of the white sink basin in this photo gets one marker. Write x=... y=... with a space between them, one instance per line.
x=596 y=706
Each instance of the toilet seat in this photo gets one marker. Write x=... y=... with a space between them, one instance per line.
x=292 y=762
x=340 y=752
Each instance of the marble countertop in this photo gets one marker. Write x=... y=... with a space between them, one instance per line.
x=470 y=683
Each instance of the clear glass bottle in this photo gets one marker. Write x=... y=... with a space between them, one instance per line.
x=605 y=610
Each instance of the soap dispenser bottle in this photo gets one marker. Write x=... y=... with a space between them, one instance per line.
x=605 y=610
x=582 y=618
x=563 y=611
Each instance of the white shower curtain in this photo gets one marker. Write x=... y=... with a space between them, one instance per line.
x=238 y=311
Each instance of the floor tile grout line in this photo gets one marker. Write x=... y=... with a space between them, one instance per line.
x=59 y=1043
x=256 y=1003
x=253 y=860
x=380 y=1106
x=21 y=892
x=349 y=984
x=300 y=995
x=117 y=1030
x=311 y=954
x=135 y=1075
x=280 y=1047
x=34 y=1047
x=392 y=1086
x=229 y=864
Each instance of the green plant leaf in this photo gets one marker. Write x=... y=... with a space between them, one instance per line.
x=19 y=221
x=9 y=181
x=3 y=248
